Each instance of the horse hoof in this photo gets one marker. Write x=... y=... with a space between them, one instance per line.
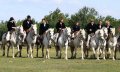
x=82 y=58
x=98 y=59
x=113 y=59
x=104 y=59
x=3 y=55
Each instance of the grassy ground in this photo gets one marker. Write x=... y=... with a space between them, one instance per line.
x=25 y=64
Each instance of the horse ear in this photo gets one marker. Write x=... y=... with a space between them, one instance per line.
x=14 y=28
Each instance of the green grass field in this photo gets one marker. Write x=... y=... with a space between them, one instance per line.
x=25 y=64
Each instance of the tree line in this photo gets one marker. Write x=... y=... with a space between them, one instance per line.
x=83 y=16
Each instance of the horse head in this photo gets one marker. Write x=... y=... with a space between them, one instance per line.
x=112 y=31
x=68 y=29
x=82 y=34
x=105 y=30
x=33 y=29
x=51 y=30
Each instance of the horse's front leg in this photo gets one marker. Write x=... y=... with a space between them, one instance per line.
x=98 y=52
x=13 y=51
x=109 y=50
x=114 y=52
x=104 y=53
x=93 y=51
x=82 y=51
x=18 y=50
x=8 y=51
x=66 y=48
x=31 y=51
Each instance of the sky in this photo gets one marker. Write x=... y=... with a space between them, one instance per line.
x=19 y=9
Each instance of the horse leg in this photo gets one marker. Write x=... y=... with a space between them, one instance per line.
x=13 y=52
x=98 y=52
x=31 y=51
x=28 y=51
x=42 y=51
x=104 y=53
x=82 y=52
x=93 y=51
x=37 y=51
x=66 y=47
x=17 y=51
x=60 y=51
x=75 y=52
x=48 y=54
x=3 y=47
x=20 y=54
x=109 y=50
x=86 y=51
x=72 y=49
x=8 y=51
x=56 y=48
x=114 y=53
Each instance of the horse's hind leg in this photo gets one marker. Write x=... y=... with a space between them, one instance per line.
x=8 y=51
x=28 y=51
x=47 y=53
x=72 y=49
x=20 y=54
x=42 y=51
x=13 y=51
x=3 y=48
x=93 y=52
x=56 y=48
x=75 y=52
x=86 y=52
x=31 y=51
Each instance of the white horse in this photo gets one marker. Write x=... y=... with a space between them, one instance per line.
x=98 y=42
x=47 y=36
x=112 y=42
x=16 y=38
x=101 y=47
x=63 y=41
x=78 y=41
x=31 y=40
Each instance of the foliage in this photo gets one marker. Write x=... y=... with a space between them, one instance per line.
x=83 y=16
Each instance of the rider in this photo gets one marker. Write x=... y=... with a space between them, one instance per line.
x=75 y=29
x=44 y=26
x=10 y=24
x=59 y=26
x=27 y=24
x=90 y=29
x=108 y=26
x=99 y=25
